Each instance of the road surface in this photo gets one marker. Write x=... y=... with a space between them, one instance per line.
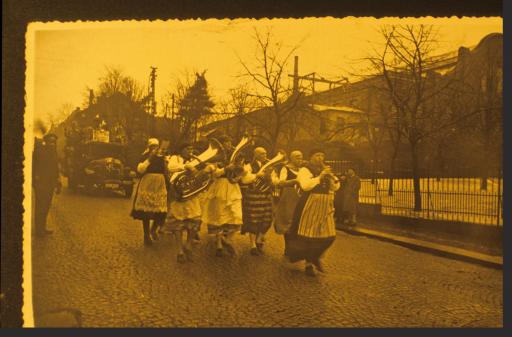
x=95 y=264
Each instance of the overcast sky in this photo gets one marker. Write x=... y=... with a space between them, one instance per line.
x=68 y=57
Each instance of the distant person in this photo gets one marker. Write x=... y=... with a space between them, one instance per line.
x=351 y=187
x=46 y=179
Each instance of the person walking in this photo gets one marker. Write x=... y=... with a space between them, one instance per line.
x=222 y=211
x=184 y=215
x=313 y=229
x=150 y=197
x=256 y=201
x=45 y=180
x=351 y=187
x=289 y=195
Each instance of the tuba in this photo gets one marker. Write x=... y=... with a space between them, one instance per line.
x=261 y=183
x=234 y=174
x=186 y=184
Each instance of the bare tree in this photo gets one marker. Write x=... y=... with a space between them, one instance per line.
x=60 y=114
x=404 y=62
x=239 y=103
x=268 y=75
x=114 y=81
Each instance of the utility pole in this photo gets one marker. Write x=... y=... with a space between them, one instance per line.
x=312 y=77
x=172 y=106
x=152 y=91
x=296 y=76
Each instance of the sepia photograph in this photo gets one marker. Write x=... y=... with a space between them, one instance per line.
x=288 y=172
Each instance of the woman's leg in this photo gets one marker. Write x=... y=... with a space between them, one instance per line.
x=227 y=237
x=178 y=235
x=254 y=248
x=260 y=240
x=154 y=229
x=310 y=271
x=145 y=227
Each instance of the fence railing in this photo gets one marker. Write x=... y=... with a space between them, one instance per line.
x=458 y=199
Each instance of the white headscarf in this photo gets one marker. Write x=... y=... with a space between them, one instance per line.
x=151 y=142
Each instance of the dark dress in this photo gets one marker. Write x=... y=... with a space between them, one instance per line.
x=313 y=229
x=256 y=207
x=351 y=188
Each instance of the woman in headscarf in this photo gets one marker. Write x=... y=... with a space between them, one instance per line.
x=313 y=229
x=150 y=197
x=289 y=195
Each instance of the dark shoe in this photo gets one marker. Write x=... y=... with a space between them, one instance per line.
x=188 y=254
x=310 y=271
x=255 y=251
x=181 y=258
x=319 y=266
x=259 y=246
x=219 y=252
x=229 y=248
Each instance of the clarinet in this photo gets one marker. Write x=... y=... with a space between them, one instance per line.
x=328 y=179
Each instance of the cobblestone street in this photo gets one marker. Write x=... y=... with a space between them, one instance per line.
x=95 y=263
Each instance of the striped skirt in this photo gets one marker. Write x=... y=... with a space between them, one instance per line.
x=313 y=228
x=256 y=211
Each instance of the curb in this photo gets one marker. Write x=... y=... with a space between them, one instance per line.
x=429 y=247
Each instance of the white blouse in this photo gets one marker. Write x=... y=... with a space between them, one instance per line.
x=307 y=182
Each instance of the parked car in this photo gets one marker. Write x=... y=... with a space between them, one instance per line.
x=99 y=166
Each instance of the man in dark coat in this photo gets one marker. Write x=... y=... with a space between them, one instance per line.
x=46 y=179
x=351 y=187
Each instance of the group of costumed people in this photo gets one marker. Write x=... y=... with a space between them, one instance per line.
x=241 y=199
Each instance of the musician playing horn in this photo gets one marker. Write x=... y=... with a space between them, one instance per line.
x=289 y=193
x=222 y=206
x=257 y=202
x=184 y=215
x=313 y=229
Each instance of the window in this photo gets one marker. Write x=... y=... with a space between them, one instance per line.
x=340 y=122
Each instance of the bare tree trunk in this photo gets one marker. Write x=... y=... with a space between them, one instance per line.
x=374 y=165
x=485 y=168
x=392 y=170
x=416 y=177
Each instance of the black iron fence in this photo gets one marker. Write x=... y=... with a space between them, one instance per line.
x=459 y=199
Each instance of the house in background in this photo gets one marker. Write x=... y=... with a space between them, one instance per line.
x=352 y=121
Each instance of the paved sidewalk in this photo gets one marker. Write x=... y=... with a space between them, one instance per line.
x=440 y=249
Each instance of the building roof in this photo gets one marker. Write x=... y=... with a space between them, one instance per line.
x=319 y=107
